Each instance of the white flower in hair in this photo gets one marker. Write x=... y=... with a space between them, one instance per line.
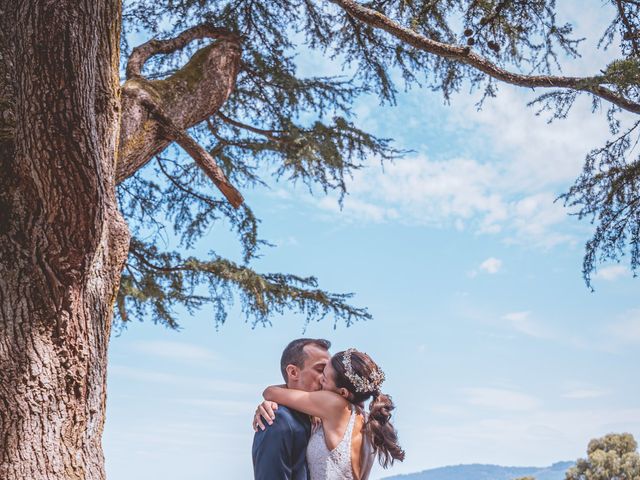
x=363 y=385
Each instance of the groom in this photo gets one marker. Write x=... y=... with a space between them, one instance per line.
x=279 y=450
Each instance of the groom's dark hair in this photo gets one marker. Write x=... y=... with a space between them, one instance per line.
x=294 y=354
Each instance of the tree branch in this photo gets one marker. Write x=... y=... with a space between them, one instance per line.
x=631 y=33
x=199 y=154
x=261 y=294
x=189 y=96
x=210 y=203
x=144 y=52
x=464 y=55
x=267 y=133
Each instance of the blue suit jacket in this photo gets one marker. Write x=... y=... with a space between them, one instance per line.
x=279 y=451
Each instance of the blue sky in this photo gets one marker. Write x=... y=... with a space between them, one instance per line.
x=494 y=349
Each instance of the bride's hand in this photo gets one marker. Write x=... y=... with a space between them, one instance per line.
x=315 y=422
x=264 y=411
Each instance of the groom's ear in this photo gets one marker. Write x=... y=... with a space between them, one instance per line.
x=293 y=372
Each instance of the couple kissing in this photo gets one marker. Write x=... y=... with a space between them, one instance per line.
x=315 y=427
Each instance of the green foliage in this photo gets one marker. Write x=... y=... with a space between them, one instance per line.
x=608 y=191
x=155 y=281
x=612 y=457
x=526 y=33
x=278 y=123
x=624 y=73
x=274 y=123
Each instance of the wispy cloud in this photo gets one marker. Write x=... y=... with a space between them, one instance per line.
x=585 y=393
x=612 y=272
x=522 y=322
x=193 y=383
x=501 y=399
x=503 y=180
x=222 y=407
x=491 y=265
x=627 y=329
x=176 y=435
x=513 y=437
x=358 y=210
x=176 y=351
x=289 y=241
x=460 y=193
x=498 y=170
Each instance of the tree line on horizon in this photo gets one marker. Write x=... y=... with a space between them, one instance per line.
x=612 y=457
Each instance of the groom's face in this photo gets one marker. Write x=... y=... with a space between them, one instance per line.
x=311 y=373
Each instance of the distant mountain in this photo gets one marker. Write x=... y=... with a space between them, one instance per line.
x=488 y=472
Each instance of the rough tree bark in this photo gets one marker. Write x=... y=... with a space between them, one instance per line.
x=66 y=140
x=63 y=241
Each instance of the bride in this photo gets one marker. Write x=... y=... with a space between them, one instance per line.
x=345 y=440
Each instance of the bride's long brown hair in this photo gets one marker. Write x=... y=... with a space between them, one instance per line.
x=383 y=435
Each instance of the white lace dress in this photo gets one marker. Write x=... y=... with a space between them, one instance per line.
x=325 y=464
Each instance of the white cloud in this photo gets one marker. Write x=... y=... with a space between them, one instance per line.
x=627 y=330
x=612 y=272
x=521 y=322
x=459 y=193
x=289 y=241
x=177 y=434
x=281 y=193
x=584 y=393
x=358 y=210
x=176 y=351
x=220 y=407
x=537 y=221
x=500 y=399
x=183 y=382
x=433 y=192
x=495 y=171
x=504 y=182
x=138 y=374
x=491 y=265
x=516 y=316
x=516 y=438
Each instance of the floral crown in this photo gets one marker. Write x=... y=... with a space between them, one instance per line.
x=363 y=385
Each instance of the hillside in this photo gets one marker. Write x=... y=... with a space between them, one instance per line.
x=488 y=472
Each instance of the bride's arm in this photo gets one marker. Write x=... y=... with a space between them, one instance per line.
x=321 y=404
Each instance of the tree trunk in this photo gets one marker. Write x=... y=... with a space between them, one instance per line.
x=62 y=240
